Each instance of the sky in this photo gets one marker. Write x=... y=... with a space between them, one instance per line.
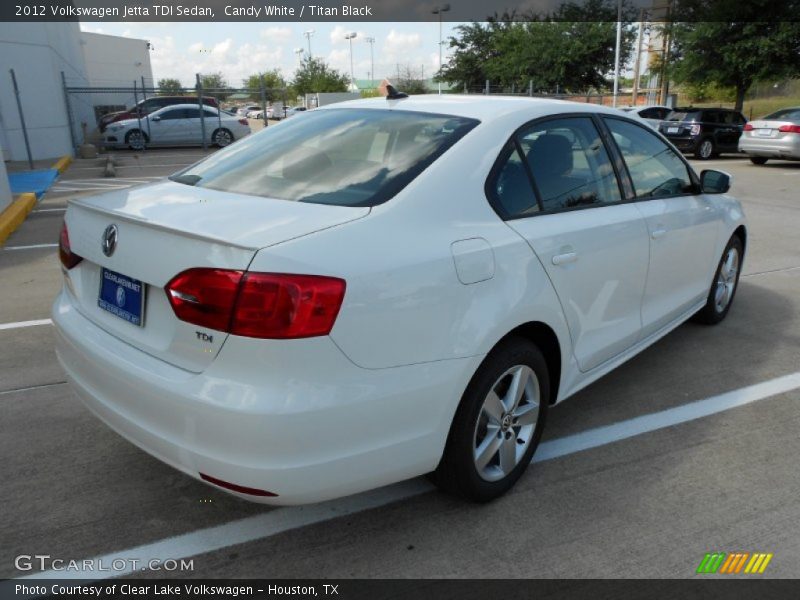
x=240 y=49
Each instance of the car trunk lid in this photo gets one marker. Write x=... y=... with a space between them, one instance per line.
x=164 y=229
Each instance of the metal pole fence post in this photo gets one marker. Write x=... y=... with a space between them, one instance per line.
x=263 y=98
x=530 y=87
x=69 y=111
x=138 y=113
x=200 y=107
x=22 y=119
x=144 y=97
x=486 y=91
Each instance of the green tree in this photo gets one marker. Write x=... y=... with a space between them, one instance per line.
x=571 y=49
x=410 y=82
x=217 y=83
x=729 y=45
x=169 y=87
x=274 y=84
x=315 y=76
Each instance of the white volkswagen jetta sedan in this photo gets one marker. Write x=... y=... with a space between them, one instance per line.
x=387 y=288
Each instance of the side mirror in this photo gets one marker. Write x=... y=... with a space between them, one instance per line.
x=715 y=182
x=155 y=118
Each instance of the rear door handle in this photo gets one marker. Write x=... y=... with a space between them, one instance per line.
x=658 y=233
x=563 y=259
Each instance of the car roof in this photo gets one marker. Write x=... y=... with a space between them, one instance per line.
x=478 y=107
x=193 y=105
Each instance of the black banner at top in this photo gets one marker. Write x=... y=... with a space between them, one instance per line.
x=355 y=11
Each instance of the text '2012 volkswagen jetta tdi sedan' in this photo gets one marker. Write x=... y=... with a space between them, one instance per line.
x=386 y=288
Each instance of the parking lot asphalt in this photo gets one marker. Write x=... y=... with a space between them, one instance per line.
x=648 y=505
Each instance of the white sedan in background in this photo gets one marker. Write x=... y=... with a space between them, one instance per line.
x=177 y=125
x=653 y=115
x=387 y=288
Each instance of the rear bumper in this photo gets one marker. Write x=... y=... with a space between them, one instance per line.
x=684 y=144
x=788 y=148
x=295 y=418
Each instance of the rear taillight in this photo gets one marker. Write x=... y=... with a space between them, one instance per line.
x=259 y=305
x=695 y=129
x=68 y=258
x=748 y=127
x=204 y=296
x=243 y=122
x=789 y=128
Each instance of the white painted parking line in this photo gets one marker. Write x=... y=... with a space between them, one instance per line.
x=21 y=324
x=31 y=247
x=285 y=519
x=44 y=210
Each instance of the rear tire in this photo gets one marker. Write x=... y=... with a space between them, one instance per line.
x=705 y=149
x=222 y=138
x=758 y=160
x=498 y=424
x=724 y=285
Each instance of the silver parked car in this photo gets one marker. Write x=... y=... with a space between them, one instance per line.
x=177 y=125
x=775 y=136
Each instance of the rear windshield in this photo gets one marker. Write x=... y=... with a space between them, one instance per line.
x=344 y=157
x=684 y=115
x=786 y=114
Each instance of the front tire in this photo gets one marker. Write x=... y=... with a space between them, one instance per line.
x=725 y=283
x=136 y=139
x=498 y=424
x=758 y=160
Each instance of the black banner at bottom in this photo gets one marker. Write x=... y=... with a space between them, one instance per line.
x=397 y=589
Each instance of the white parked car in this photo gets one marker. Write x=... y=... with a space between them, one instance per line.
x=653 y=115
x=242 y=112
x=177 y=125
x=776 y=136
x=387 y=288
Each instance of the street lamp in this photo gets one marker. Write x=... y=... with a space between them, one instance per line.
x=350 y=37
x=438 y=11
x=371 y=42
x=299 y=52
x=616 y=53
x=309 y=34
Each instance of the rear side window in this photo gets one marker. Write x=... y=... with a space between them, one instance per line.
x=345 y=157
x=510 y=187
x=684 y=115
x=569 y=163
x=175 y=113
x=656 y=170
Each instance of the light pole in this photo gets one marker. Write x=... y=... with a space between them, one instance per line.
x=371 y=42
x=350 y=37
x=438 y=11
x=309 y=34
x=299 y=52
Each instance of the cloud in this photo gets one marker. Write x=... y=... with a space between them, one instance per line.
x=277 y=35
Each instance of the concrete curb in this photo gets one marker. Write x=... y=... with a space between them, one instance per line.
x=13 y=216
x=62 y=163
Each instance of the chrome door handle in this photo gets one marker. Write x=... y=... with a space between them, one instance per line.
x=658 y=233
x=563 y=259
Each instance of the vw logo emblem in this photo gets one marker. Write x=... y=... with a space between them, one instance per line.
x=120 y=296
x=110 y=240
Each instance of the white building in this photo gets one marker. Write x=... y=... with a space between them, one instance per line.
x=113 y=61
x=38 y=53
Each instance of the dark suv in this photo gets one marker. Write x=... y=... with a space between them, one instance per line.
x=145 y=107
x=704 y=132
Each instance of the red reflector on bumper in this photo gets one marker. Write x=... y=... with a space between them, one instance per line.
x=236 y=488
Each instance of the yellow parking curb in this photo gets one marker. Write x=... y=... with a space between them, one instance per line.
x=15 y=214
x=62 y=163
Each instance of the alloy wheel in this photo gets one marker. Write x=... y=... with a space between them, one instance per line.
x=506 y=423
x=726 y=279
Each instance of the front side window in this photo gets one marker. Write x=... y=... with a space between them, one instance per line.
x=655 y=169
x=175 y=113
x=344 y=157
x=569 y=163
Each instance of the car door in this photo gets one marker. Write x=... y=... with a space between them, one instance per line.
x=165 y=126
x=593 y=246
x=681 y=222
x=730 y=130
